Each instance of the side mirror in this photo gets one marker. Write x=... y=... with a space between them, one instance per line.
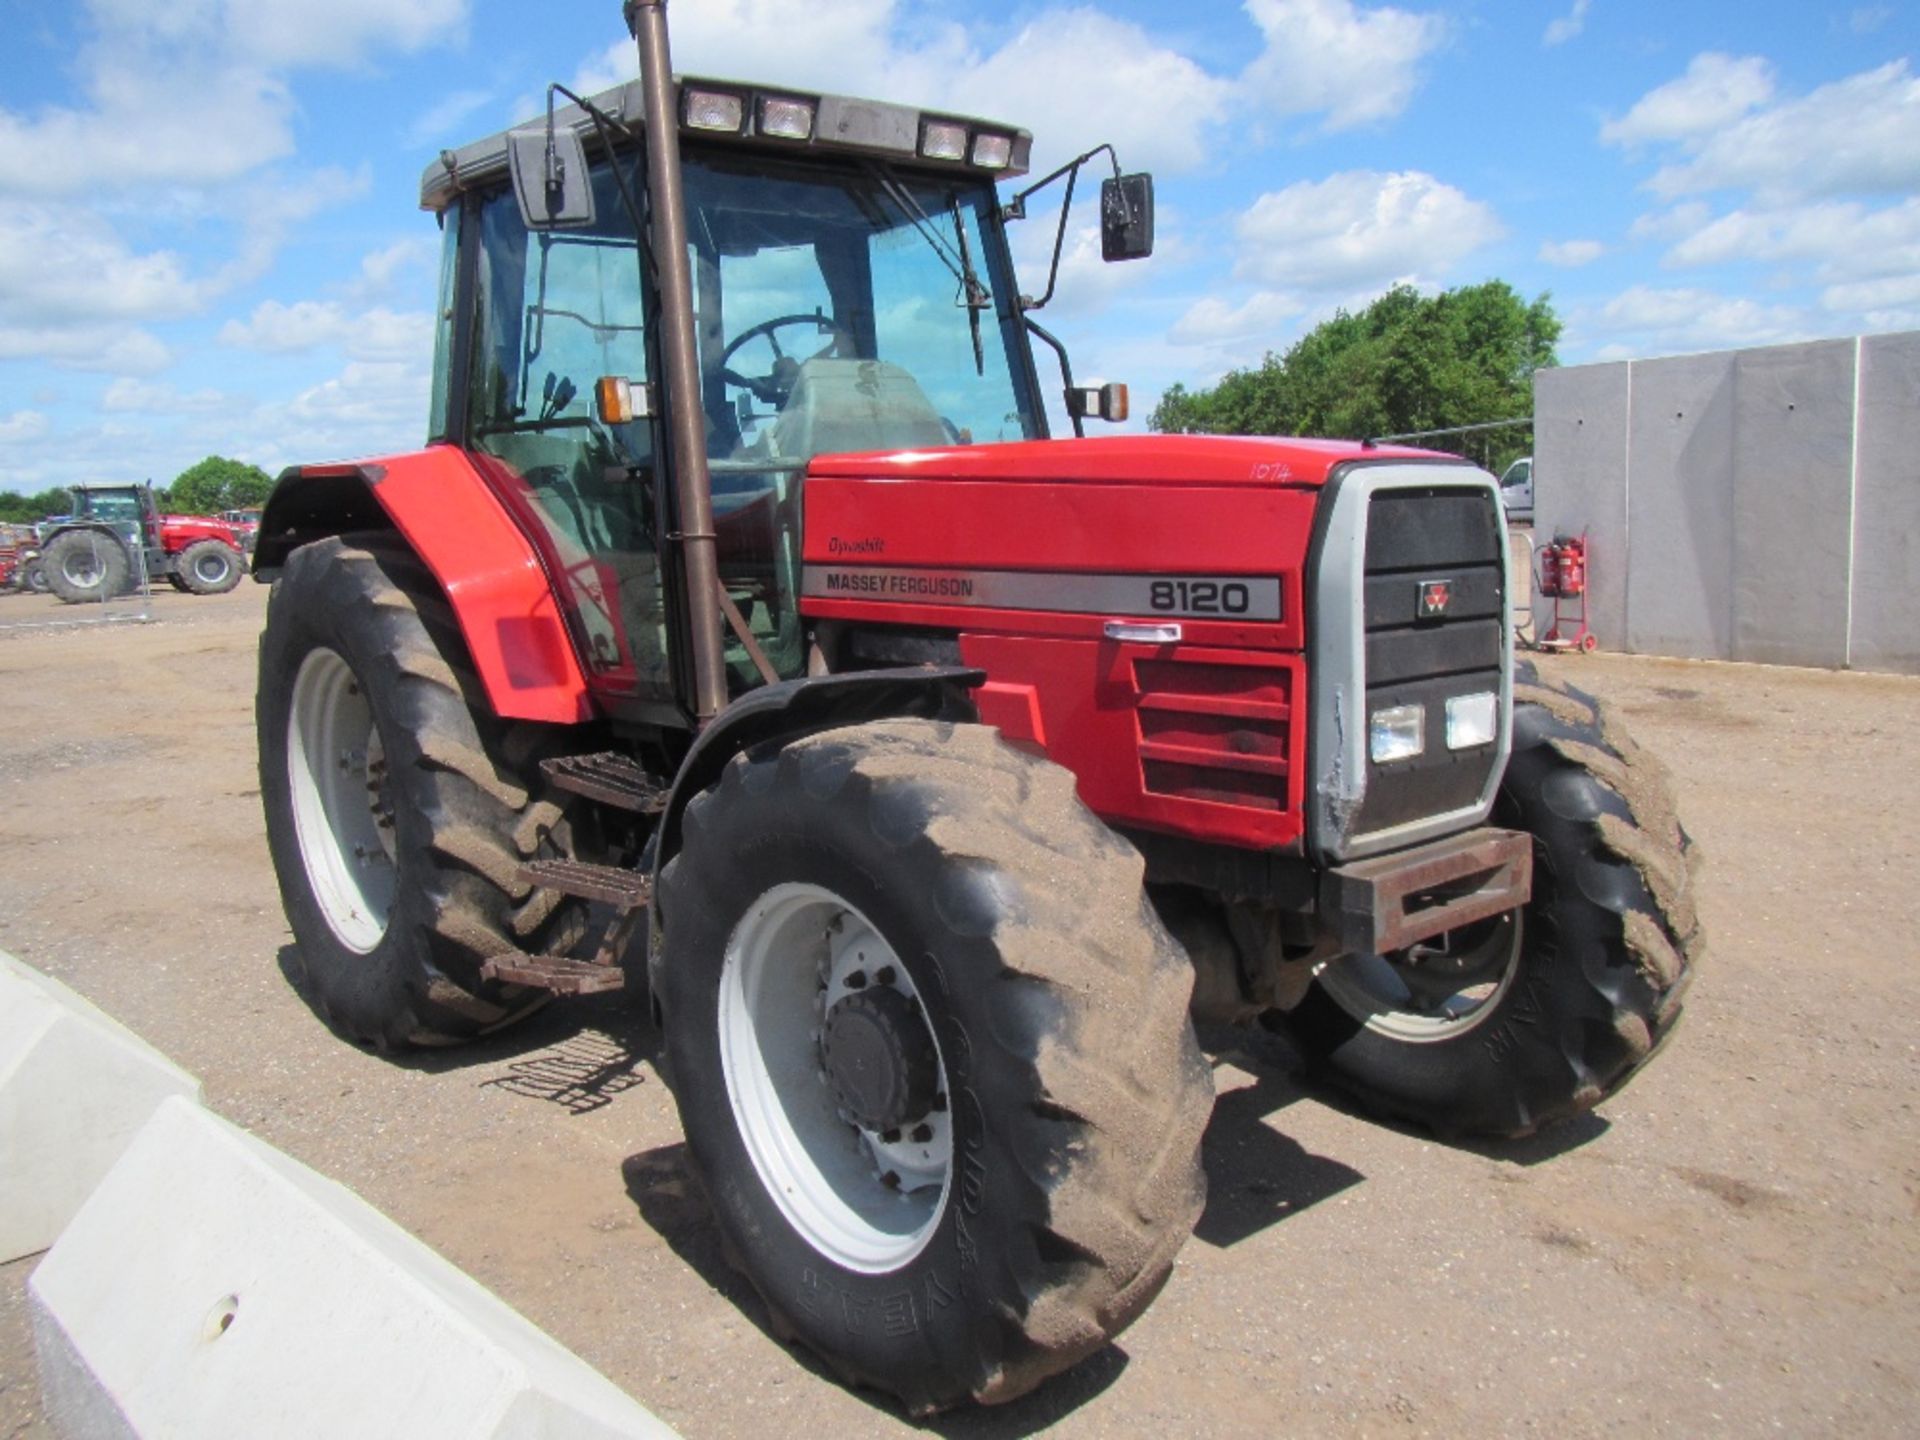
x=1126 y=217
x=550 y=179
x=1107 y=402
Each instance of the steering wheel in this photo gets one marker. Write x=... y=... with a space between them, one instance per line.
x=777 y=384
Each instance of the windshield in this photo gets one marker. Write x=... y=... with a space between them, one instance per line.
x=849 y=309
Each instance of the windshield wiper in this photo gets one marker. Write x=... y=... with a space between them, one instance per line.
x=974 y=295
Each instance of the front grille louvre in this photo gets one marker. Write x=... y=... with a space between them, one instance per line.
x=1214 y=732
x=1415 y=537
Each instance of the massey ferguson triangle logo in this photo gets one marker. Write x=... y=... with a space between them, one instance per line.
x=1435 y=596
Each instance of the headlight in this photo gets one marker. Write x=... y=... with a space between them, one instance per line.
x=1472 y=720
x=1398 y=733
x=943 y=140
x=787 y=119
x=992 y=152
x=713 y=110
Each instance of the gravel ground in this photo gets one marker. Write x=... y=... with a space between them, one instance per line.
x=1729 y=1247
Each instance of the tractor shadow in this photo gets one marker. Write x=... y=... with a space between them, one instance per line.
x=577 y=1054
x=671 y=1199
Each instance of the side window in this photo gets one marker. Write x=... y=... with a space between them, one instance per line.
x=443 y=325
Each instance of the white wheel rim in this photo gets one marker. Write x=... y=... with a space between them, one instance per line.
x=789 y=961
x=1374 y=989
x=336 y=771
x=211 y=569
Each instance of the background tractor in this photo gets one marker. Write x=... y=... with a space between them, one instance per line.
x=946 y=768
x=116 y=538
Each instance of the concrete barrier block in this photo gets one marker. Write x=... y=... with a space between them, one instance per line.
x=213 y=1286
x=75 y=1088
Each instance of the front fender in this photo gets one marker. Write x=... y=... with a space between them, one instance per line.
x=489 y=571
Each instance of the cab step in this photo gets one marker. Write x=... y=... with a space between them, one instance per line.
x=551 y=972
x=627 y=889
x=609 y=777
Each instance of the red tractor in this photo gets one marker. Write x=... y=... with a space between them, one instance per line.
x=740 y=600
x=116 y=536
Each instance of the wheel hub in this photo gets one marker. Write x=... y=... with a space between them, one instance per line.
x=880 y=1059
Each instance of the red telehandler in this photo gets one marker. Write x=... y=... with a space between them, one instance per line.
x=741 y=604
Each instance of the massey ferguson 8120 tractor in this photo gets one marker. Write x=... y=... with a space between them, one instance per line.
x=741 y=608
x=116 y=534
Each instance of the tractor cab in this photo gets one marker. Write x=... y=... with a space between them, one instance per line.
x=851 y=290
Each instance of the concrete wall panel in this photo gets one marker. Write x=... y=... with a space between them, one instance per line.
x=1886 y=545
x=1580 y=480
x=1792 y=482
x=1680 y=509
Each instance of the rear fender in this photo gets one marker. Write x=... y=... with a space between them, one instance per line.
x=491 y=575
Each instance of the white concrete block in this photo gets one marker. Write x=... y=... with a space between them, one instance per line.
x=214 y=1287
x=75 y=1087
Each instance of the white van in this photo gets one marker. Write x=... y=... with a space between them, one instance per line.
x=1516 y=489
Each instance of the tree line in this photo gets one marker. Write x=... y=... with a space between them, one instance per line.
x=1407 y=362
x=213 y=485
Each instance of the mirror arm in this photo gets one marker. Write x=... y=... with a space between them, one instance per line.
x=1016 y=209
x=1066 y=372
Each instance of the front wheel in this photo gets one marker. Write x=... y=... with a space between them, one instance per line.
x=207 y=567
x=1512 y=1023
x=931 y=1051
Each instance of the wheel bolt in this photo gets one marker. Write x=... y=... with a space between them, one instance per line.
x=940 y=1103
x=922 y=1134
x=889 y=1137
x=886 y=975
x=857 y=980
x=891 y=1180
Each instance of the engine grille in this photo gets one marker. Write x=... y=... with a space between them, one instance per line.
x=1419 y=540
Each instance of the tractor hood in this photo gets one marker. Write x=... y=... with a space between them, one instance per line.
x=1208 y=460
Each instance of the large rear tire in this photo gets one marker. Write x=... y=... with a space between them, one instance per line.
x=931 y=1050
x=208 y=567
x=1538 y=1015
x=86 y=566
x=398 y=809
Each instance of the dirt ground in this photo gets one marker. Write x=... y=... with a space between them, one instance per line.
x=1730 y=1247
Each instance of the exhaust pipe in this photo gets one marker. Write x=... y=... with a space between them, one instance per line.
x=686 y=422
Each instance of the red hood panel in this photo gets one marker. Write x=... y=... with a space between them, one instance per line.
x=1123 y=460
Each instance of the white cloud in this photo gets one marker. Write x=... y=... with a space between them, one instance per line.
x=1654 y=321
x=1715 y=92
x=440 y=121
x=142 y=397
x=1845 y=238
x=405 y=266
x=1571 y=254
x=1865 y=19
x=1569 y=25
x=107 y=349
x=1074 y=75
x=275 y=328
x=1360 y=229
x=59 y=263
x=1857 y=135
x=1263 y=316
x=1357 y=64
x=22 y=425
x=1872 y=296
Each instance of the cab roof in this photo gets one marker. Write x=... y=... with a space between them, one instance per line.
x=842 y=125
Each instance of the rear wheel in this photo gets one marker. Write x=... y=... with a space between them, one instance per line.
x=931 y=1051
x=207 y=567
x=1512 y=1023
x=398 y=811
x=85 y=565
x=33 y=578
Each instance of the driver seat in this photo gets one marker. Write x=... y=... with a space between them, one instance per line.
x=852 y=405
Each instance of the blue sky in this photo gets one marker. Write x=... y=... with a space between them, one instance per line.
x=209 y=239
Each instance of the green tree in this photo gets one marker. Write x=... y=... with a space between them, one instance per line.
x=18 y=509
x=217 y=484
x=1406 y=362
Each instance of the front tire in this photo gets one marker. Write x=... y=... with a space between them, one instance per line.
x=932 y=1055
x=398 y=809
x=207 y=567
x=1538 y=1015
